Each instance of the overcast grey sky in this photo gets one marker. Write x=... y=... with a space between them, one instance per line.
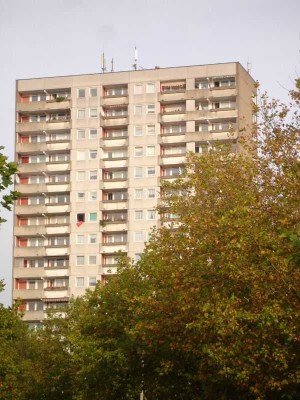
x=66 y=37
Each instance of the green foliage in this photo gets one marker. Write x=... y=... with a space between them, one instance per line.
x=7 y=171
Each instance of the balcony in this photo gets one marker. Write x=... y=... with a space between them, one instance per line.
x=49 y=105
x=43 y=126
x=21 y=272
x=171 y=159
x=43 y=147
x=109 y=270
x=26 y=294
x=121 y=100
x=172 y=96
x=114 y=205
x=33 y=316
x=212 y=135
x=118 y=183
x=44 y=167
x=112 y=121
x=111 y=142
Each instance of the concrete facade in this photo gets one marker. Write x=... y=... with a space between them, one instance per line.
x=92 y=153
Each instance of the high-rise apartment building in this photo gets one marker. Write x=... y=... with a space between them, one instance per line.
x=93 y=151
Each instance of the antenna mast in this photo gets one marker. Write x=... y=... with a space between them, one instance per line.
x=103 y=63
x=135 y=59
x=112 y=65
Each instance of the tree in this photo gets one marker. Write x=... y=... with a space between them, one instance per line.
x=211 y=311
x=7 y=171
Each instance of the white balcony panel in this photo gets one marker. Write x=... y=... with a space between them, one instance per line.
x=173 y=117
x=172 y=160
x=29 y=252
x=117 y=163
x=114 y=101
x=57 y=167
x=109 y=270
x=116 y=227
x=114 y=185
x=58 y=188
x=52 y=230
x=210 y=136
x=33 y=316
x=113 y=142
x=42 y=126
x=30 y=230
x=25 y=294
x=38 y=106
x=56 y=272
x=33 y=188
x=53 y=294
x=58 y=209
x=104 y=248
x=20 y=272
x=34 y=209
x=115 y=206
x=172 y=139
x=57 y=251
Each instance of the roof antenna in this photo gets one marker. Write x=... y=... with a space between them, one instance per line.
x=135 y=59
x=103 y=63
x=112 y=65
x=249 y=67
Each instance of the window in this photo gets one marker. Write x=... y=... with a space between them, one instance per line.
x=150 y=88
x=138 y=88
x=81 y=114
x=138 y=236
x=38 y=97
x=93 y=92
x=93 y=113
x=93 y=154
x=137 y=257
x=80 y=155
x=151 y=214
x=80 y=196
x=80 y=134
x=138 y=215
x=92 y=281
x=150 y=109
x=92 y=260
x=203 y=84
x=150 y=129
x=81 y=93
x=138 y=172
x=80 y=239
x=150 y=171
x=93 y=134
x=33 y=179
x=138 y=193
x=151 y=193
x=80 y=217
x=203 y=106
x=202 y=127
x=80 y=260
x=93 y=217
x=138 y=109
x=150 y=151
x=80 y=281
x=92 y=238
x=173 y=129
x=93 y=175
x=138 y=130
x=92 y=196
x=37 y=118
x=60 y=157
x=138 y=151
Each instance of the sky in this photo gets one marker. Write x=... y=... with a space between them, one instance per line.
x=66 y=37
